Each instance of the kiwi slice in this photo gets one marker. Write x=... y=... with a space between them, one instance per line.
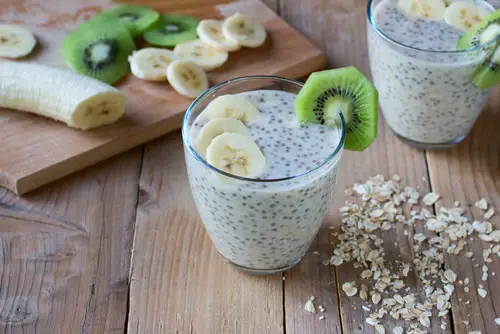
x=136 y=19
x=481 y=33
x=99 y=49
x=488 y=74
x=171 y=30
x=327 y=93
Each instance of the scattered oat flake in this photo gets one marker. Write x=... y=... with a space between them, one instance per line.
x=475 y=332
x=321 y=317
x=497 y=321
x=397 y=330
x=482 y=292
x=450 y=275
x=309 y=306
x=482 y=204
x=380 y=328
x=489 y=213
x=350 y=288
x=430 y=198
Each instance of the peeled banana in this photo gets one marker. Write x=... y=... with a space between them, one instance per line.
x=60 y=94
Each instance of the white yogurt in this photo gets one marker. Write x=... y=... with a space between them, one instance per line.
x=426 y=96
x=263 y=225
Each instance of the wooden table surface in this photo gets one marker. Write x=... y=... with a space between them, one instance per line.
x=120 y=247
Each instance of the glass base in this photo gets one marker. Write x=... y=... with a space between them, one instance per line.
x=428 y=146
x=261 y=272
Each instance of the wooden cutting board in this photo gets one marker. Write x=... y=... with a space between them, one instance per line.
x=35 y=151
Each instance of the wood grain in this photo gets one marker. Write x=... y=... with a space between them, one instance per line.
x=179 y=283
x=65 y=252
x=466 y=173
x=154 y=108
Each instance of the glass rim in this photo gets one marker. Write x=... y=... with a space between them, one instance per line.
x=187 y=141
x=452 y=52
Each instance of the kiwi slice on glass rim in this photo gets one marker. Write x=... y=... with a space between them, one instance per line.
x=171 y=30
x=488 y=74
x=345 y=90
x=136 y=19
x=99 y=49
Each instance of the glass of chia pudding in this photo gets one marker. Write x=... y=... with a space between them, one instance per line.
x=425 y=84
x=261 y=223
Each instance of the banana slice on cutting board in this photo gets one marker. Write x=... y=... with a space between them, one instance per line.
x=244 y=29
x=423 y=9
x=151 y=63
x=215 y=128
x=236 y=154
x=15 y=42
x=77 y=100
x=463 y=15
x=187 y=78
x=232 y=106
x=204 y=55
x=210 y=33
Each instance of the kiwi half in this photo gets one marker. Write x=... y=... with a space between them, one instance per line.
x=135 y=18
x=488 y=74
x=327 y=93
x=171 y=30
x=99 y=49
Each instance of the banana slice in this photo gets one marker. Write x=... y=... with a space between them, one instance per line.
x=206 y=56
x=77 y=100
x=15 y=42
x=215 y=128
x=463 y=15
x=423 y=9
x=210 y=33
x=232 y=106
x=245 y=30
x=236 y=154
x=151 y=63
x=187 y=78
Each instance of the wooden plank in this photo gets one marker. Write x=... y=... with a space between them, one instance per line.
x=466 y=173
x=65 y=252
x=336 y=29
x=179 y=283
x=154 y=108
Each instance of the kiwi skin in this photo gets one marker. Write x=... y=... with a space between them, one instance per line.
x=77 y=46
x=347 y=90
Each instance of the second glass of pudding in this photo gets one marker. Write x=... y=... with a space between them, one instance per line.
x=425 y=84
x=265 y=225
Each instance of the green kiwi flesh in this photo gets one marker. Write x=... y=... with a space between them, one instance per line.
x=327 y=93
x=171 y=30
x=136 y=19
x=472 y=38
x=99 y=49
x=488 y=74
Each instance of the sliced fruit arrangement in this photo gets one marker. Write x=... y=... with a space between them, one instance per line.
x=225 y=141
x=232 y=106
x=204 y=55
x=463 y=15
x=488 y=74
x=135 y=18
x=77 y=100
x=345 y=90
x=245 y=30
x=99 y=50
x=171 y=30
x=423 y=9
x=210 y=33
x=236 y=154
x=217 y=127
x=151 y=63
x=187 y=78
x=15 y=41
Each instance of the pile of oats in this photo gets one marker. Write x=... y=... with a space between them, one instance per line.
x=381 y=205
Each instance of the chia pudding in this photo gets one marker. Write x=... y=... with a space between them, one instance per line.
x=266 y=225
x=425 y=91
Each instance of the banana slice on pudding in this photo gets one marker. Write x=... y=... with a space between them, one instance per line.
x=423 y=9
x=463 y=15
x=231 y=106
x=236 y=154
x=215 y=128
